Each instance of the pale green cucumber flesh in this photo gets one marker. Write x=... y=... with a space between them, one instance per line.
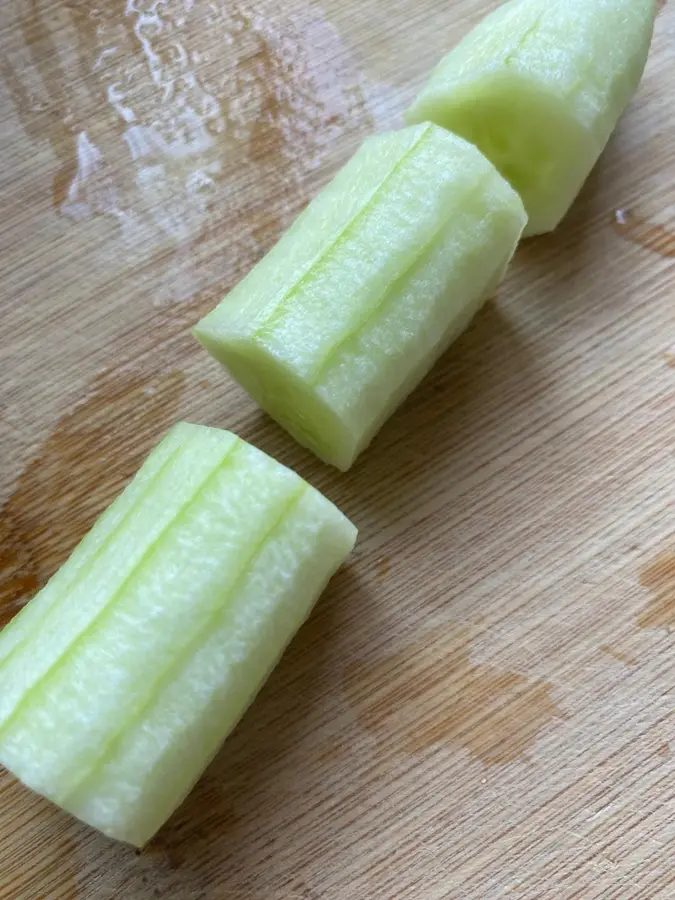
x=322 y=224
x=424 y=312
x=105 y=575
x=529 y=136
x=210 y=689
x=181 y=645
x=285 y=396
x=307 y=364
x=374 y=370
x=539 y=86
x=174 y=589
x=351 y=275
x=348 y=280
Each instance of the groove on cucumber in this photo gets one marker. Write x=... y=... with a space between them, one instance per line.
x=351 y=326
x=114 y=703
x=538 y=86
x=87 y=775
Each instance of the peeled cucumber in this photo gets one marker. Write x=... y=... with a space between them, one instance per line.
x=538 y=86
x=123 y=676
x=340 y=321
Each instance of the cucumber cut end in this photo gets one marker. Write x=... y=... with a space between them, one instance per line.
x=527 y=134
x=289 y=400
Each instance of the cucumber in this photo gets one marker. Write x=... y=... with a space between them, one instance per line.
x=160 y=629
x=538 y=86
x=332 y=330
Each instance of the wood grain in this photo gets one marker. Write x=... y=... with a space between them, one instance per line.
x=482 y=705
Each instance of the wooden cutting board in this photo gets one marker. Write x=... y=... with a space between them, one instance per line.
x=482 y=705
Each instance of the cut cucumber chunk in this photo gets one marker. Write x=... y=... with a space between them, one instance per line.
x=160 y=629
x=341 y=320
x=539 y=86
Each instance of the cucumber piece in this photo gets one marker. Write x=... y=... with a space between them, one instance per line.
x=116 y=706
x=182 y=728
x=23 y=624
x=538 y=86
x=106 y=574
x=340 y=321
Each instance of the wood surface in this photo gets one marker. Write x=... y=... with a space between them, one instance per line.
x=482 y=705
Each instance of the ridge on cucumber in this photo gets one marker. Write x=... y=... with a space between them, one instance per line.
x=538 y=86
x=123 y=676
x=383 y=270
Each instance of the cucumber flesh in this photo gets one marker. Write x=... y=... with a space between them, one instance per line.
x=181 y=729
x=105 y=575
x=330 y=344
x=120 y=724
x=538 y=86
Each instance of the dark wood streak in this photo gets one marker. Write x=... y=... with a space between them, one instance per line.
x=659 y=578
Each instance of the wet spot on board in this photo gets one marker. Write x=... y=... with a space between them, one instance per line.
x=428 y=693
x=93 y=451
x=187 y=124
x=626 y=658
x=659 y=578
x=193 y=133
x=637 y=229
